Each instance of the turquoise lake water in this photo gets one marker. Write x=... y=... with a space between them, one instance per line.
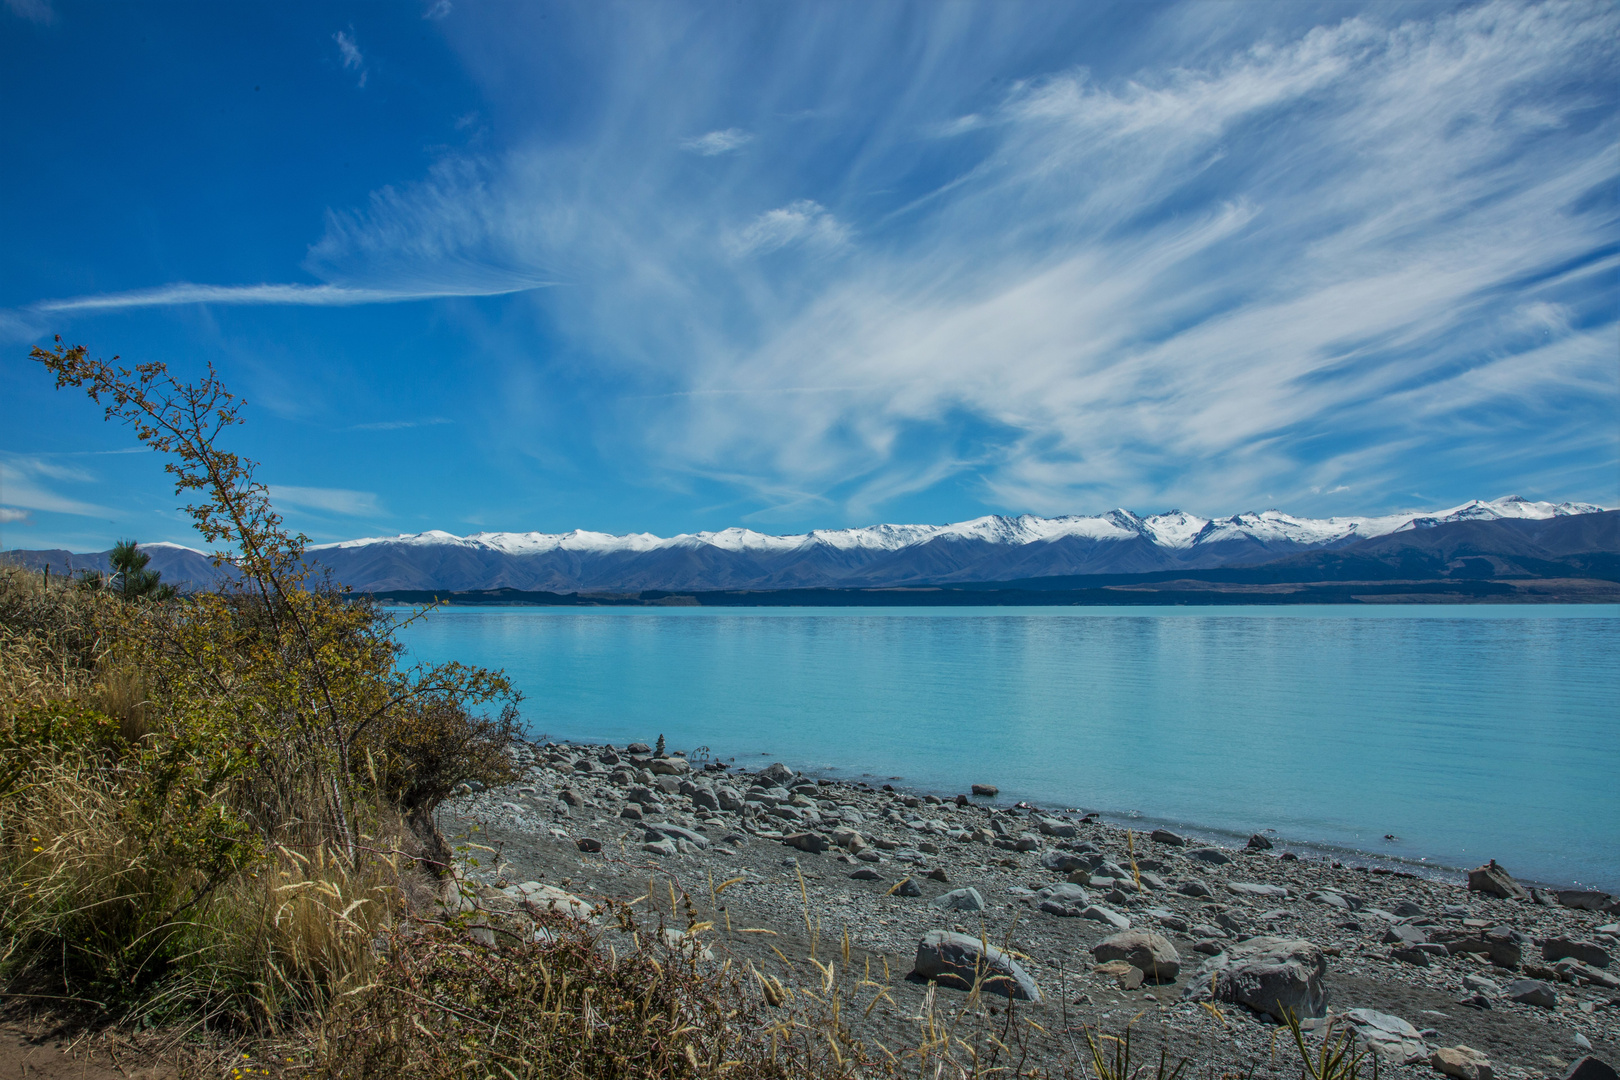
x=1467 y=733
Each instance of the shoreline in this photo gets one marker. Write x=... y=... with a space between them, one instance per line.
x=809 y=857
x=1324 y=851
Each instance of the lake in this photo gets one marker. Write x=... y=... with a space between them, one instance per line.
x=1466 y=733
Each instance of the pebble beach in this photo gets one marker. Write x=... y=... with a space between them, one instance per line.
x=1078 y=923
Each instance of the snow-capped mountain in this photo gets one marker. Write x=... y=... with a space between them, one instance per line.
x=993 y=548
x=984 y=549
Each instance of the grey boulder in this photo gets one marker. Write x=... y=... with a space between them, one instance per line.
x=1099 y=913
x=776 y=774
x=962 y=961
x=1531 y=992
x=1143 y=949
x=813 y=842
x=1493 y=880
x=959 y=900
x=1391 y=1038
x=675 y=832
x=1584 y=899
x=1268 y=974
x=1210 y=855
x=1585 y=951
x=1063 y=862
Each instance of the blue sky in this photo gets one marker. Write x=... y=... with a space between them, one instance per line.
x=672 y=267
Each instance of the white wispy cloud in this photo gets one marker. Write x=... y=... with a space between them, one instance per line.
x=23 y=487
x=10 y=514
x=39 y=11
x=437 y=10
x=804 y=221
x=716 y=143
x=399 y=425
x=350 y=54
x=332 y=500
x=19 y=323
x=1280 y=262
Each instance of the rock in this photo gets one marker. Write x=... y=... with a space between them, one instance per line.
x=908 y=888
x=1571 y=970
x=1331 y=899
x=1054 y=827
x=638 y=748
x=665 y=846
x=866 y=873
x=1411 y=955
x=1268 y=974
x=1584 y=899
x=1144 y=949
x=1098 y=913
x=632 y=812
x=1165 y=836
x=1531 y=992
x=1246 y=888
x=588 y=844
x=705 y=800
x=1481 y=985
x=967 y=899
x=960 y=960
x=1401 y=934
x=1210 y=855
x=936 y=874
x=669 y=784
x=1590 y=1068
x=677 y=832
x=1128 y=976
x=1501 y=944
x=728 y=797
x=776 y=774
x=571 y=797
x=642 y=794
x=1584 y=951
x=682 y=942
x=1168 y=919
x=848 y=839
x=1194 y=887
x=1258 y=843
x=1067 y=893
x=1407 y=910
x=988 y=791
x=549 y=898
x=1209 y=947
x=1461 y=1062
x=1495 y=881
x=669 y=766
x=1064 y=862
x=813 y=842
x=1067 y=901
x=1390 y=1037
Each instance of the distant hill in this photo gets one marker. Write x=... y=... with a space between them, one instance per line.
x=180 y=566
x=1506 y=539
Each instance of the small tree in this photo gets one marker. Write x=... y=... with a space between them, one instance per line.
x=130 y=577
x=308 y=674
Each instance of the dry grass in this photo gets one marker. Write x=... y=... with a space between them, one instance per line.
x=580 y=1002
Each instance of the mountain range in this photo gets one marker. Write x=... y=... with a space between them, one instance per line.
x=1032 y=551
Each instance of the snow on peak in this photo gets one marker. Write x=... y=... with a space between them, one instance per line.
x=1172 y=529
